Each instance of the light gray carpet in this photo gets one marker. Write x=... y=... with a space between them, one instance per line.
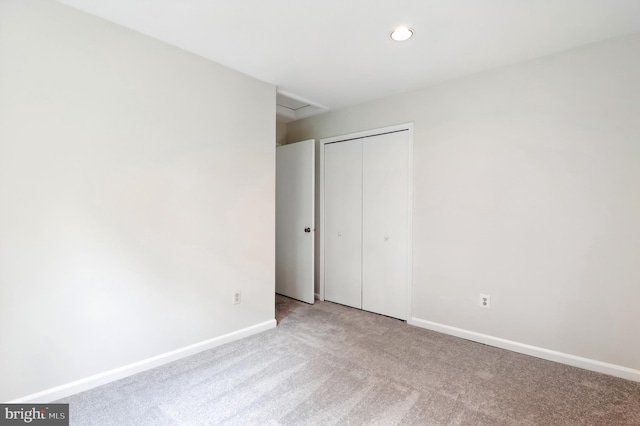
x=328 y=364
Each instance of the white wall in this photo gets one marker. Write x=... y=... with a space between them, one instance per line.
x=281 y=132
x=526 y=187
x=134 y=199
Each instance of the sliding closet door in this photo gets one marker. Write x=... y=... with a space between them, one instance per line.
x=385 y=224
x=343 y=222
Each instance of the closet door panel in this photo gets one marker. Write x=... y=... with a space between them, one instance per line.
x=343 y=222
x=385 y=224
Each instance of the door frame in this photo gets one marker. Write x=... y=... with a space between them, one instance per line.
x=364 y=134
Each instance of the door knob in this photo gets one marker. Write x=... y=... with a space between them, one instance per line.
x=307 y=229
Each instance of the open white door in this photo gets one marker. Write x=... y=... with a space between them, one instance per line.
x=294 y=220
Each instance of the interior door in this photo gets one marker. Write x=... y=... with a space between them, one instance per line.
x=343 y=223
x=385 y=224
x=295 y=186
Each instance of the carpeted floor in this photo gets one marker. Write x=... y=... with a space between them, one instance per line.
x=328 y=364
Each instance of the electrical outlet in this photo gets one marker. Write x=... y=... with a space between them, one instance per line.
x=236 y=297
x=485 y=301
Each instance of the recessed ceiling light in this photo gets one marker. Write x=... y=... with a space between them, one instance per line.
x=402 y=33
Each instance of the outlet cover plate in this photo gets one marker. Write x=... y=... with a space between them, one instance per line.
x=484 y=301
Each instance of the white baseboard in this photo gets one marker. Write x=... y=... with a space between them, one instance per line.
x=100 y=379
x=575 y=361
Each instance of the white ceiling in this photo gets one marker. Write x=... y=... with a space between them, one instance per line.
x=334 y=53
